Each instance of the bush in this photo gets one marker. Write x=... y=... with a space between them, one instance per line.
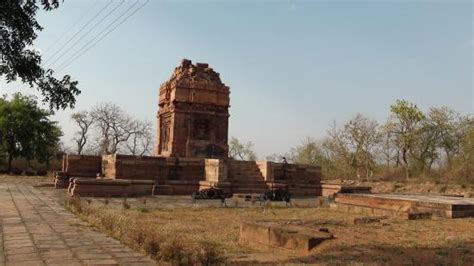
x=152 y=246
x=16 y=171
x=74 y=204
x=174 y=252
x=30 y=172
x=42 y=172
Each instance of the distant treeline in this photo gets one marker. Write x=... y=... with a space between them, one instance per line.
x=436 y=144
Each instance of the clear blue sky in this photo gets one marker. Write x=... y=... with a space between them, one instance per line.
x=292 y=66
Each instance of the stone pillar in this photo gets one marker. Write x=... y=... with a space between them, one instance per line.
x=215 y=170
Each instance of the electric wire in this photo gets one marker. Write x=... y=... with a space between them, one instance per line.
x=89 y=45
x=83 y=36
x=79 y=31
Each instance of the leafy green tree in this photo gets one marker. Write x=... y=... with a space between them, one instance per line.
x=405 y=124
x=466 y=154
x=47 y=142
x=25 y=130
x=424 y=151
x=450 y=130
x=18 y=30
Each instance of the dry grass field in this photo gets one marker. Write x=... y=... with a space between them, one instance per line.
x=212 y=233
x=172 y=230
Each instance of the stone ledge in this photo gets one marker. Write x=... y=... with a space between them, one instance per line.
x=272 y=235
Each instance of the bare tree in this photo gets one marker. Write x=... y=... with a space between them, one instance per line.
x=114 y=126
x=388 y=149
x=337 y=151
x=241 y=151
x=84 y=120
x=141 y=141
x=362 y=137
x=275 y=157
x=309 y=152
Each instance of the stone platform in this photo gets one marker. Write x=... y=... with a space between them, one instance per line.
x=183 y=176
x=410 y=206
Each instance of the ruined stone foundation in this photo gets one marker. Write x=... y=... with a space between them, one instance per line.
x=181 y=175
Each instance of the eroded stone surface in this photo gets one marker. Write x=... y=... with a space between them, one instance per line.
x=37 y=230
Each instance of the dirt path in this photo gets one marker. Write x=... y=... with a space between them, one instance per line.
x=37 y=230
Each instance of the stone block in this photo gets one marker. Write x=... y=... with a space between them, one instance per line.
x=409 y=206
x=329 y=189
x=110 y=187
x=270 y=235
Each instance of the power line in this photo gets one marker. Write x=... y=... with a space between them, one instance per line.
x=68 y=29
x=89 y=31
x=87 y=47
x=80 y=30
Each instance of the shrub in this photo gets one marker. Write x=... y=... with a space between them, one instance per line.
x=30 y=172
x=208 y=255
x=174 y=252
x=42 y=172
x=125 y=204
x=443 y=189
x=74 y=204
x=152 y=246
x=16 y=171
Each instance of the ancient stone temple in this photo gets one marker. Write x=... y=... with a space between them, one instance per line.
x=193 y=113
x=191 y=150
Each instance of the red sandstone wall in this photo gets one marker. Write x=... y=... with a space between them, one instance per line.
x=159 y=169
x=300 y=179
x=81 y=165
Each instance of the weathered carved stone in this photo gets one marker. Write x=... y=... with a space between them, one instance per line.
x=193 y=113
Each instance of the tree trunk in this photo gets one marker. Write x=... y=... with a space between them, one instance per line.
x=10 y=160
x=448 y=157
x=397 y=162
x=368 y=172
x=79 y=149
x=405 y=161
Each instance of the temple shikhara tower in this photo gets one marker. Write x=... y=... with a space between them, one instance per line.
x=193 y=114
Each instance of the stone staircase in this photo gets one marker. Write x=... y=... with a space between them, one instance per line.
x=245 y=177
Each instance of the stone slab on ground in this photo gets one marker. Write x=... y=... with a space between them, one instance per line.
x=330 y=189
x=380 y=212
x=271 y=235
x=37 y=230
x=410 y=205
